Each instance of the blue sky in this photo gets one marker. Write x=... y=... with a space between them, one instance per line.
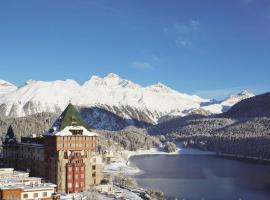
x=211 y=48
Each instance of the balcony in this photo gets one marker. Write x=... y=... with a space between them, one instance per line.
x=74 y=156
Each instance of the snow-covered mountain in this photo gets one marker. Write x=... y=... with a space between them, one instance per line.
x=120 y=97
x=6 y=87
x=223 y=106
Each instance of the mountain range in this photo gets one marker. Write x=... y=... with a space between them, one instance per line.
x=108 y=98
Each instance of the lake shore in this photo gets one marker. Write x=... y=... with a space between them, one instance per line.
x=124 y=166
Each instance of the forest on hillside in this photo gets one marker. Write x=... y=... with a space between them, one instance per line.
x=247 y=137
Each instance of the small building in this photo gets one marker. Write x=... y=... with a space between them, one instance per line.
x=105 y=186
x=109 y=157
x=43 y=191
x=18 y=185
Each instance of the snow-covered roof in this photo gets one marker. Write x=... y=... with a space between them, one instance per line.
x=25 y=187
x=67 y=131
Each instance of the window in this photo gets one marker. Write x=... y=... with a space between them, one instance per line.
x=35 y=195
x=94 y=167
x=70 y=185
x=94 y=174
x=70 y=176
x=11 y=197
x=25 y=196
x=44 y=194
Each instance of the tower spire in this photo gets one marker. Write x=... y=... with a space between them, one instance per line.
x=10 y=137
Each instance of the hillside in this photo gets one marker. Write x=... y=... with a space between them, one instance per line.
x=258 y=106
x=243 y=130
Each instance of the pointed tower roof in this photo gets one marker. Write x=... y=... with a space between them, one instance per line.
x=70 y=117
x=10 y=138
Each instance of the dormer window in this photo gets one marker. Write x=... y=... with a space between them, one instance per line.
x=73 y=121
x=76 y=132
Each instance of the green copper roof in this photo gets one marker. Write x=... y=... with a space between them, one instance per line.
x=71 y=117
x=10 y=137
x=10 y=132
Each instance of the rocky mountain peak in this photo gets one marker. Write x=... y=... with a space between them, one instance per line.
x=246 y=93
x=159 y=87
x=233 y=99
x=112 y=76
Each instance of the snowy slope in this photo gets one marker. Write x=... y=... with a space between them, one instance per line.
x=120 y=97
x=39 y=96
x=225 y=105
x=127 y=99
x=6 y=87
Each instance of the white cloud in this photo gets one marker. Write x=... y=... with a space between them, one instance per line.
x=184 y=30
x=195 y=24
x=190 y=26
x=183 y=43
x=181 y=28
x=141 y=65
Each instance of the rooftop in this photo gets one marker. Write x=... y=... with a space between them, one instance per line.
x=69 y=131
x=26 y=187
x=11 y=179
x=10 y=172
x=70 y=117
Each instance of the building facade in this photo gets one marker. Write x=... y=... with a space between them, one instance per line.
x=66 y=155
x=16 y=185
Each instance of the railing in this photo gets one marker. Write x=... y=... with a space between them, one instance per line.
x=74 y=156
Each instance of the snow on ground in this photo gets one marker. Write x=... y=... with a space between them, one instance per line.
x=76 y=196
x=126 y=193
x=125 y=167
